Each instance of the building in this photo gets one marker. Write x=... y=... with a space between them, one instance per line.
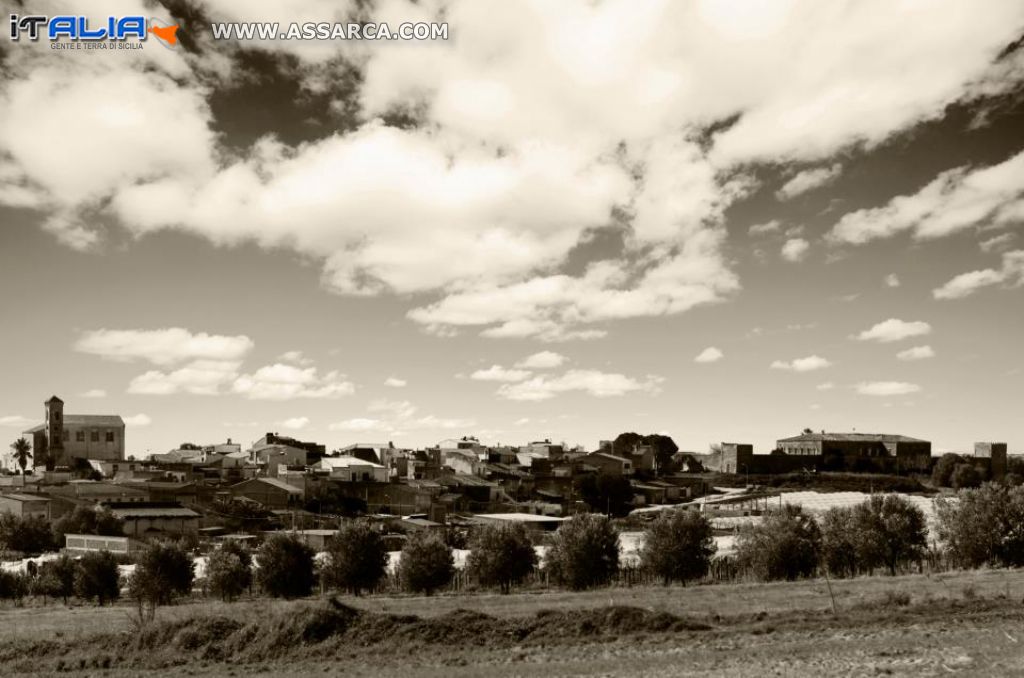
x=609 y=463
x=275 y=456
x=25 y=505
x=544 y=449
x=153 y=519
x=352 y=469
x=83 y=543
x=994 y=455
x=269 y=492
x=313 y=450
x=809 y=451
x=67 y=437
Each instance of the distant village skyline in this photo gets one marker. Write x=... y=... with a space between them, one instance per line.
x=723 y=222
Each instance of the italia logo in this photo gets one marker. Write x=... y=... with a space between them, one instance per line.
x=80 y=28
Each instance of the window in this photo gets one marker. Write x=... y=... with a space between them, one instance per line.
x=110 y=436
x=94 y=436
x=79 y=436
x=66 y=436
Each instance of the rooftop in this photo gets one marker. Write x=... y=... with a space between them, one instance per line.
x=850 y=437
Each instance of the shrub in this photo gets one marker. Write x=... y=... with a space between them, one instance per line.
x=87 y=520
x=785 y=545
x=942 y=472
x=357 y=559
x=285 y=567
x=965 y=476
x=584 y=552
x=839 y=542
x=56 y=578
x=426 y=564
x=678 y=546
x=29 y=535
x=501 y=555
x=986 y=526
x=13 y=586
x=163 y=572
x=229 y=570
x=891 y=532
x=97 y=577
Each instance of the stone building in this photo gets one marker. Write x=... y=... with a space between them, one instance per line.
x=67 y=437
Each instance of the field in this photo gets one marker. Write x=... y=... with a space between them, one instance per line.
x=970 y=623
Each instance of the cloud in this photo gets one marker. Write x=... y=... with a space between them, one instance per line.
x=808 y=364
x=94 y=393
x=892 y=280
x=964 y=285
x=808 y=180
x=359 y=424
x=709 y=355
x=766 y=227
x=997 y=243
x=400 y=416
x=825 y=386
x=200 y=377
x=894 y=329
x=16 y=421
x=296 y=358
x=138 y=420
x=294 y=423
x=886 y=388
x=285 y=382
x=795 y=249
x=164 y=346
x=499 y=373
x=395 y=382
x=954 y=201
x=593 y=382
x=916 y=353
x=543 y=360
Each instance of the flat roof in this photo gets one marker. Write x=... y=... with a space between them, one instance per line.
x=519 y=517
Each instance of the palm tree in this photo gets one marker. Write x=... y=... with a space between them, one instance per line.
x=22 y=453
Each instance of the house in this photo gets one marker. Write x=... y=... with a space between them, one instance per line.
x=67 y=437
x=462 y=461
x=156 y=518
x=609 y=463
x=275 y=456
x=544 y=449
x=269 y=492
x=83 y=543
x=98 y=492
x=351 y=469
x=313 y=450
x=25 y=505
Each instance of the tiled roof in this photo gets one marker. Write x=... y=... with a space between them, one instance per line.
x=851 y=437
x=155 y=512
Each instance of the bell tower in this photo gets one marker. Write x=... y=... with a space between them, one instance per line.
x=55 y=427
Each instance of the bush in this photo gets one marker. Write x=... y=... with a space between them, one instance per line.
x=891 y=532
x=942 y=472
x=13 y=586
x=87 y=520
x=97 y=577
x=501 y=555
x=426 y=564
x=965 y=476
x=784 y=546
x=229 y=570
x=584 y=552
x=839 y=543
x=29 y=535
x=357 y=559
x=163 y=572
x=986 y=526
x=56 y=578
x=285 y=567
x=678 y=546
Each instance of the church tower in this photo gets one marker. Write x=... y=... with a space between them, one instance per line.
x=55 y=428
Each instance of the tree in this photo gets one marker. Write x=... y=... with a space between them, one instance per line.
x=606 y=493
x=56 y=578
x=942 y=472
x=29 y=534
x=584 y=552
x=163 y=572
x=88 y=520
x=229 y=570
x=965 y=476
x=501 y=555
x=678 y=546
x=97 y=577
x=664 y=447
x=426 y=563
x=285 y=567
x=13 y=585
x=22 y=453
x=891 y=530
x=985 y=526
x=357 y=559
x=785 y=545
x=840 y=552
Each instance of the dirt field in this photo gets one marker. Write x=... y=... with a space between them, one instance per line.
x=961 y=623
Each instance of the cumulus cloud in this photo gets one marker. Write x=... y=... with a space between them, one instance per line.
x=499 y=373
x=917 y=353
x=359 y=424
x=294 y=423
x=395 y=416
x=997 y=243
x=164 y=346
x=200 y=377
x=964 y=285
x=808 y=180
x=285 y=382
x=94 y=393
x=795 y=249
x=886 y=388
x=544 y=360
x=808 y=364
x=892 y=280
x=895 y=329
x=772 y=226
x=954 y=201
x=295 y=357
x=709 y=355
x=395 y=382
x=592 y=382
x=138 y=420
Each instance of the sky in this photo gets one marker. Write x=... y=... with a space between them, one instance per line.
x=718 y=220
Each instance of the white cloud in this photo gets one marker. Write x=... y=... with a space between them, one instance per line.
x=825 y=386
x=954 y=201
x=295 y=357
x=886 y=388
x=294 y=423
x=997 y=242
x=400 y=416
x=766 y=227
x=395 y=382
x=916 y=353
x=593 y=382
x=542 y=361
x=709 y=355
x=359 y=424
x=808 y=180
x=94 y=393
x=164 y=346
x=808 y=364
x=966 y=284
x=892 y=280
x=795 y=249
x=895 y=329
x=16 y=421
x=400 y=409
x=284 y=382
x=499 y=373
x=138 y=420
x=200 y=377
